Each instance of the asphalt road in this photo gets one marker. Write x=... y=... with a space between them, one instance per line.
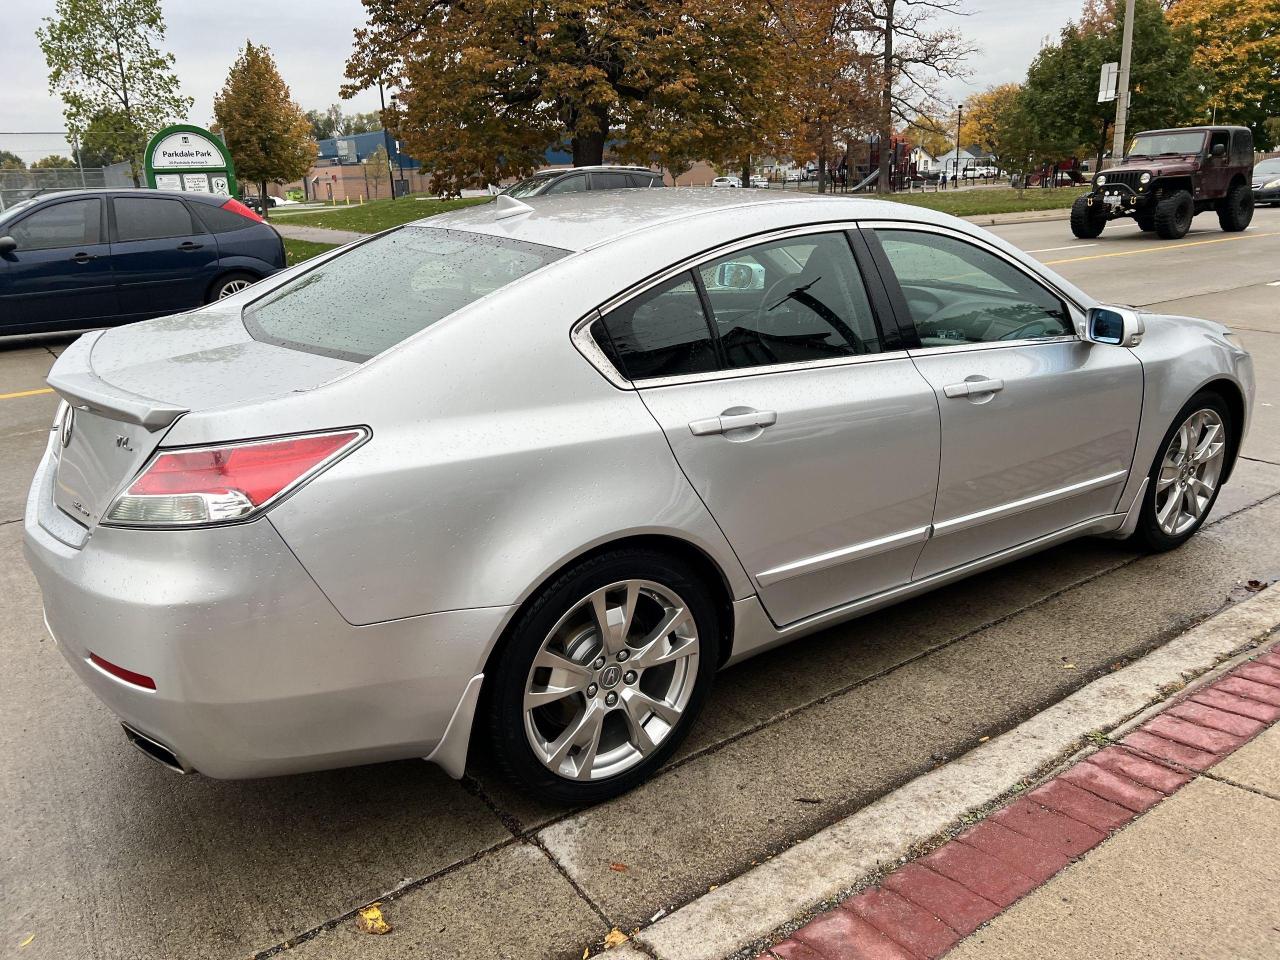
x=105 y=854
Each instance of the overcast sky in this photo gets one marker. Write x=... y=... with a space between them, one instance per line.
x=311 y=42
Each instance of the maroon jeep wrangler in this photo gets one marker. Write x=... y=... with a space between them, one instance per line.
x=1168 y=177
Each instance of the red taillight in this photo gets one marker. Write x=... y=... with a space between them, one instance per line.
x=120 y=673
x=235 y=206
x=214 y=484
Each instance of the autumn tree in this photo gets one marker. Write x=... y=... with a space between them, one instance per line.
x=929 y=133
x=487 y=86
x=913 y=58
x=1237 y=52
x=105 y=59
x=267 y=133
x=985 y=114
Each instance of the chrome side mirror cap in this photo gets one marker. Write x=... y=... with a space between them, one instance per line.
x=1116 y=326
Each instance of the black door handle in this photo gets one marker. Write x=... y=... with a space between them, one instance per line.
x=188 y=245
x=83 y=257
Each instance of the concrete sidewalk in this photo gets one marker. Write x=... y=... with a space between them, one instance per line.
x=1196 y=877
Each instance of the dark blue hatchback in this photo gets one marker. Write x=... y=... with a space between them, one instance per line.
x=93 y=258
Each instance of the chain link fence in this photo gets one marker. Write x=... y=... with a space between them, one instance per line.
x=19 y=185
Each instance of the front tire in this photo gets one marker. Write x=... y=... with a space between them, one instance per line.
x=1235 y=210
x=1146 y=220
x=1087 y=220
x=1186 y=477
x=603 y=675
x=1173 y=215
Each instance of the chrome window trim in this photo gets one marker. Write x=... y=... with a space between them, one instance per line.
x=994 y=345
x=584 y=342
x=1074 y=309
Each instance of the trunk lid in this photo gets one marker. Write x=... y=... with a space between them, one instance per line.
x=126 y=387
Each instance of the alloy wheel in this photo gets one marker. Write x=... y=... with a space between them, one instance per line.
x=1189 y=471
x=231 y=287
x=611 y=680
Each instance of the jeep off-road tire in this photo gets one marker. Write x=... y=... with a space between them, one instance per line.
x=1087 y=220
x=1235 y=210
x=1173 y=215
x=1146 y=219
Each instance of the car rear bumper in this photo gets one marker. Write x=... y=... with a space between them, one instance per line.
x=255 y=672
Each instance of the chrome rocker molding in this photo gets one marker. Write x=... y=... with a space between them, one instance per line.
x=957 y=524
x=834 y=558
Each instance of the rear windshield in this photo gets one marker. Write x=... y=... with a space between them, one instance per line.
x=368 y=299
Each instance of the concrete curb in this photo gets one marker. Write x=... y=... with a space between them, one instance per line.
x=751 y=907
x=1022 y=216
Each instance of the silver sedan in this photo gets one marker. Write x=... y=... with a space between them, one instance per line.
x=540 y=469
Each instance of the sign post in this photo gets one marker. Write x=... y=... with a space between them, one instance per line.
x=183 y=157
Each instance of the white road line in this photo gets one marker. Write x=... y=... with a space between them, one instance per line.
x=1074 y=246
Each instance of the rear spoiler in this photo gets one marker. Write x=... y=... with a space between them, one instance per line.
x=73 y=378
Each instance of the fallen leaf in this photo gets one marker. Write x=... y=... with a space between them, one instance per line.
x=614 y=937
x=618 y=867
x=714 y=886
x=30 y=937
x=1068 y=666
x=371 y=920
x=983 y=739
x=586 y=953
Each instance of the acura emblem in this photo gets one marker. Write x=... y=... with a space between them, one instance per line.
x=68 y=424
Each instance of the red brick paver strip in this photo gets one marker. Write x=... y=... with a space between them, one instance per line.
x=922 y=909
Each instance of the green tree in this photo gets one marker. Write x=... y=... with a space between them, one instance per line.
x=11 y=161
x=267 y=133
x=1059 y=97
x=105 y=59
x=53 y=162
x=487 y=87
x=332 y=122
x=1271 y=133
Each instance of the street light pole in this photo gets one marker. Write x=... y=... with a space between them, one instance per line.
x=959 y=124
x=386 y=138
x=1122 y=96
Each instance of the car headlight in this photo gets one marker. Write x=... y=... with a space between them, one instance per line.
x=1271 y=184
x=1145 y=178
x=1101 y=179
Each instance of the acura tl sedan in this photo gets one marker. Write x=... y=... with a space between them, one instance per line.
x=537 y=470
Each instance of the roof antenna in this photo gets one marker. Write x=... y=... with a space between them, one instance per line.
x=508 y=206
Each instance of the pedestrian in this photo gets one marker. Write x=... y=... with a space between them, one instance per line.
x=942 y=179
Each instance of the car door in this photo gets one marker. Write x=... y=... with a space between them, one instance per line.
x=60 y=272
x=164 y=261
x=808 y=434
x=1038 y=427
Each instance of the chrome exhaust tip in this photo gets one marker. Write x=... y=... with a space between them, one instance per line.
x=156 y=750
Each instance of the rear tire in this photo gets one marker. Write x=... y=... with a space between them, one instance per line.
x=1235 y=210
x=229 y=283
x=575 y=716
x=1165 y=526
x=1087 y=220
x=1173 y=215
x=1146 y=220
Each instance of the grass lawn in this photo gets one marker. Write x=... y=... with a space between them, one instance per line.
x=375 y=215
x=295 y=251
x=976 y=201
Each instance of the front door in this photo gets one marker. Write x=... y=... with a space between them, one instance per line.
x=164 y=262
x=1038 y=427
x=815 y=449
x=60 y=273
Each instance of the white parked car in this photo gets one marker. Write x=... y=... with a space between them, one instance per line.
x=795 y=176
x=726 y=182
x=759 y=181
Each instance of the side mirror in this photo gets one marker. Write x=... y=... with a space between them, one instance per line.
x=1219 y=150
x=7 y=245
x=1117 y=326
x=740 y=276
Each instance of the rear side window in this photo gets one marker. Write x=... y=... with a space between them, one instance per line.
x=151 y=218
x=387 y=289
x=217 y=220
x=661 y=333
x=610 y=181
x=75 y=223
x=644 y=180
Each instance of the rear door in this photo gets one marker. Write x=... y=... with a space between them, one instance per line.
x=812 y=440
x=164 y=261
x=1038 y=427
x=60 y=274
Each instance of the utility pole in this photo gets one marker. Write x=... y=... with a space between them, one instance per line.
x=386 y=139
x=1122 y=97
x=959 y=124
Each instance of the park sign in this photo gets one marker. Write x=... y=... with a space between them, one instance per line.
x=183 y=157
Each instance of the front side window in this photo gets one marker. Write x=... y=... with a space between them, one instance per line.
x=151 y=218
x=73 y=223
x=661 y=333
x=529 y=187
x=789 y=301
x=385 y=290
x=960 y=294
x=574 y=184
